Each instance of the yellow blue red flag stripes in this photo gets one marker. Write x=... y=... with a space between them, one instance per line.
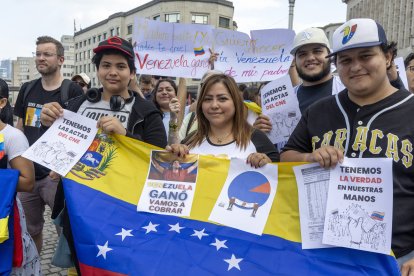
x=8 y=184
x=112 y=238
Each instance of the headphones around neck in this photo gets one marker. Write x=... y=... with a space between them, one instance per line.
x=116 y=102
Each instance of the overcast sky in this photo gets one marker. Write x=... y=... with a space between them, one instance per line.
x=22 y=21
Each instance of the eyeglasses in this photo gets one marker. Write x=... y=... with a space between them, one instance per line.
x=45 y=54
x=81 y=84
x=410 y=68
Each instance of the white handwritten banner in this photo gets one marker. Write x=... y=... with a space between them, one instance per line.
x=171 y=49
x=182 y=50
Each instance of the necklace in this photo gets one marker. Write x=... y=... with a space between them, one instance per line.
x=221 y=138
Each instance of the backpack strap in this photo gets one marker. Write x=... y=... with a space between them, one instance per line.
x=64 y=91
x=29 y=87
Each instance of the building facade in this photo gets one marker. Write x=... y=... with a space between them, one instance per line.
x=396 y=16
x=6 y=69
x=218 y=13
x=68 y=67
x=23 y=70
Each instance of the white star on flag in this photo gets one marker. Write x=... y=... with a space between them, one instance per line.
x=199 y=234
x=176 y=227
x=103 y=249
x=219 y=244
x=124 y=233
x=151 y=227
x=233 y=262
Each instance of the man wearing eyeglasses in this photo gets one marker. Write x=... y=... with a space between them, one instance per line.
x=83 y=81
x=32 y=96
x=409 y=68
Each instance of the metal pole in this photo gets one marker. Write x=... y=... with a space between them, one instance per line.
x=291 y=7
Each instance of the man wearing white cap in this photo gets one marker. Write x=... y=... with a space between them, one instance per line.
x=370 y=119
x=83 y=81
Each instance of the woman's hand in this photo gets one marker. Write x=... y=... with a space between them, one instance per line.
x=179 y=150
x=110 y=124
x=50 y=113
x=258 y=160
x=175 y=107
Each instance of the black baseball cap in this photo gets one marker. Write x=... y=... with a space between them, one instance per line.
x=116 y=43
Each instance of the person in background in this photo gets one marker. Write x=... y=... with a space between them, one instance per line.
x=83 y=81
x=222 y=127
x=171 y=103
x=15 y=144
x=409 y=69
x=51 y=87
x=146 y=86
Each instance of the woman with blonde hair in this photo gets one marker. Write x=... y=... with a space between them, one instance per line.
x=222 y=127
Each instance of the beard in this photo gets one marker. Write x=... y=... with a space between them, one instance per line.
x=326 y=70
x=49 y=70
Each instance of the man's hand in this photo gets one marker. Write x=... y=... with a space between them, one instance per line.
x=50 y=112
x=110 y=124
x=327 y=156
x=407 y=269
x=263 y=123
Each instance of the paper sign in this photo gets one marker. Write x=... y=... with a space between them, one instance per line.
x=359 y=207
x=170 y=185
x=399 y=63
x=313 y=184
x=247 y=196
x=64 y=143
x=280 y=104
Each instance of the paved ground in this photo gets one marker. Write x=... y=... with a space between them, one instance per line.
x=49 y=244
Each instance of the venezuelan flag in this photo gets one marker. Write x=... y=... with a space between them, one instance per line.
x=2 y=152
x=199 y=51
x=112 y=238
x=8 y=184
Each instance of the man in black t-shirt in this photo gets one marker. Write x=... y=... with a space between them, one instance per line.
x=49 y=59
x=369 y=119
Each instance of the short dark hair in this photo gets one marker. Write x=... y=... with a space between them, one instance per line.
x=407 y=60
x=60 y=51
x=145 y=79
x=96 y=59
x=6 y=113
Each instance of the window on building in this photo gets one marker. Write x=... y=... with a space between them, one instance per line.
x=94 y=39
x=112 y=32
x=199 y=19
x=129 y=29
x=89 y=67
x=224 y=22
x=76 y=45
x=172 y=18
x=157 y=18
x=76 y=57
x=99 y=38
x=66 y=48
x=118 y=31
x=104 y=36
x=89 y=41
x=84 y=43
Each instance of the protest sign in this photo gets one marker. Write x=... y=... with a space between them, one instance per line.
x=182 y=50
x=170 y=185
x=359 y=207
x=63 y=144
x=246 y=198
x=280 y=104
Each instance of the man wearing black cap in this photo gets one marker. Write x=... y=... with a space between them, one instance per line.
x=369 y=119
x=115 y=108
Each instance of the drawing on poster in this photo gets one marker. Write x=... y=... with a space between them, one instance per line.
x=248 y=191
x=363 y=229
x=284 y=123
x=54 y=154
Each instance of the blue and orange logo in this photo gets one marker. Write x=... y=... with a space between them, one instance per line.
x=348 y=33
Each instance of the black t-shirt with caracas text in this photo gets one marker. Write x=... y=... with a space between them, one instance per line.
x=30 y=109
x=308 y=95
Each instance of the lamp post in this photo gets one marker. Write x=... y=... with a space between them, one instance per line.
x=291 y=7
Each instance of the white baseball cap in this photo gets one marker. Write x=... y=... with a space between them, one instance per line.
x=83 y=76
x=358 y=33
x=309 y=36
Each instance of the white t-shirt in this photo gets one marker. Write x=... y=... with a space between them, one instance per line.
x=102 y=108
x=15 y=143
